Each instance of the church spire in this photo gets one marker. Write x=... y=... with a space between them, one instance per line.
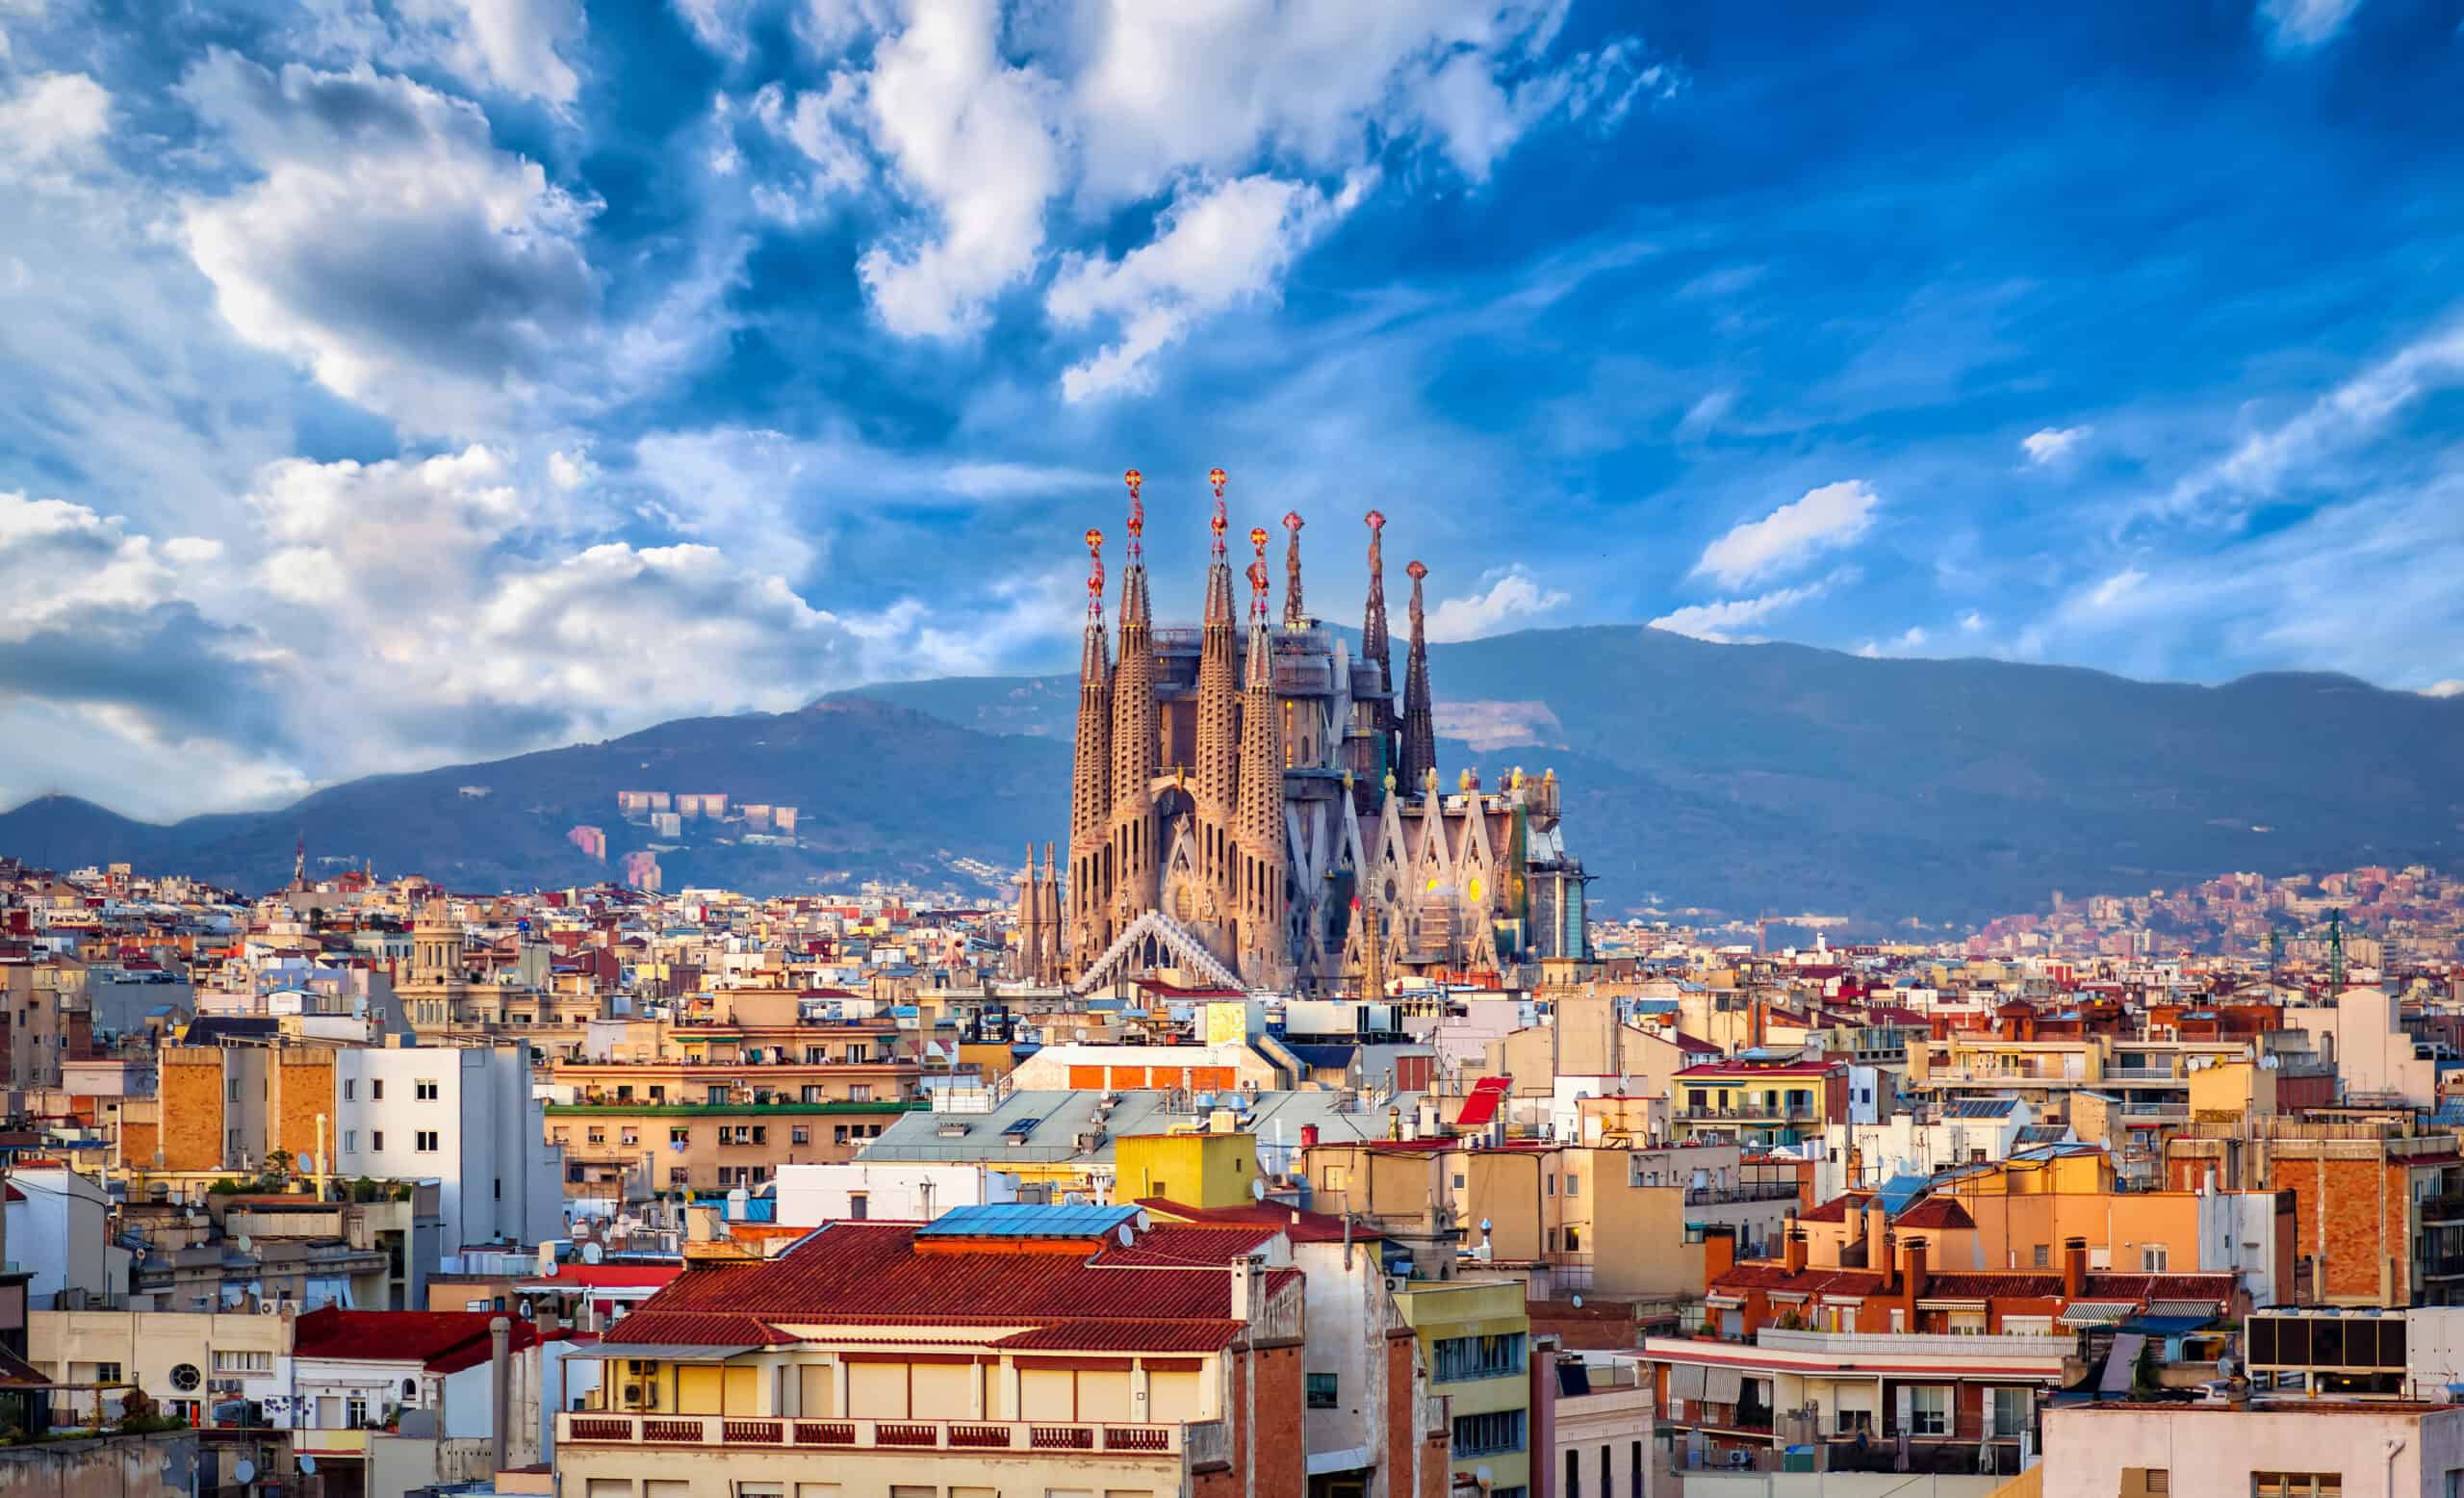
x=1091 y=789
x=1420 y=733
x=1296 y=615
x=1218 y=731
x=1135 y=858
x=1261 y=860
x=1375 y=647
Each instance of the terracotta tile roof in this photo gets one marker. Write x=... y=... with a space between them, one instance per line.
x=1171 y=1288
x=1293 y=1223
x=440 y=1341
x=1935 y=1212
x=1835 y=1210
x=1769 y=1275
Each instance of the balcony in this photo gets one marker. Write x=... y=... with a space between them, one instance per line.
x=1753 y=1113
x=740 y=1434
x=1918 y=1344
x=1747 y=1192
x=2447 y=1208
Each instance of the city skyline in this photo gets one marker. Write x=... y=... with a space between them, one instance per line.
x=392 y=385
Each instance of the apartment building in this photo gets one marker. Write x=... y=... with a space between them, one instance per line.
x=1596 y=1220
x=1476 y=1340
x=2379 y=1208
x=461 y=1116
x=1752 y=1102
x=632 y=1151
x=2312 y=1449
x=999 y=1349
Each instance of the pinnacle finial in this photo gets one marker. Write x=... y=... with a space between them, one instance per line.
x=1377 y=520
x=1295 y=613
x=1137 y=513
x=1218 y=477
x=1095 y=573
x=1415 y=571
x=1258 y=574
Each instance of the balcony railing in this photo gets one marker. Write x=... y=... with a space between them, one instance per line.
x=1749 y=1191
x=1919 y=1344
x=796 y=1433
x=1755 y=1113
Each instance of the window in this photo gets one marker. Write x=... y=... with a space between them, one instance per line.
x=1574 y=1184
x=717 y=1093
x=2296 y=1484
x=858 y=1204
x=424 y=1089
x=679 y=1134
x=106 y=1373
x=377 y=1139
x=799 y=1134
x=377 y=1089
x=1848 y=1422
x=628 y=1136
x=1574 y=1235
x=2137 y=1481
x=838 y=1134
x=2043 y=1257
x=760 y=1133
x=1573 y=1475
x=597 y=1136
x=859 y=1092
x=1322 y=1391
x=2151 y=1258
x=356 y=1409
x=1332 y=1179
x=351 y=1088
x=243 y=1362
x=2010 y=1408
x=1929 y=1411
x=1552 y=1184
x=1488 y=1435
x=425 y=1141
x=1497 y=1356
x=351 y=1141
x=812 y=1094
x=1458 y=1180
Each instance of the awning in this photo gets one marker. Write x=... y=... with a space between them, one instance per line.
x=2121 y=1365
x=2205 y=1309
x=1686 y=1381
x=2097 y=1313
x=662 y=1352
x=1352 y=1458
x=1723 y=1386
x=1725 y=1302
x=1785 y=1296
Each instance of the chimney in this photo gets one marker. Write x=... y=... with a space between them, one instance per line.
x=501 y=1386
x=1793 y=1252
x=1915 y=1255
x=2074 y=1268
x=1719 y=1252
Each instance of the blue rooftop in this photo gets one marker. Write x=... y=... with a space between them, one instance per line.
x=1027 y=1220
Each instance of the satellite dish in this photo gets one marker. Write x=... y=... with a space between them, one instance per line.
x=591 y=1253
x=244 y=1244
x=1577 y=1302
x=244 y=1471
x=307 y=1465
x=1484 y=1225
x=547 y=1267
x=1257 y=1188
x=1126 y=1234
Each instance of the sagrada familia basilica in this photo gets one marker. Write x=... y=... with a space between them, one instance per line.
x=1250 y=808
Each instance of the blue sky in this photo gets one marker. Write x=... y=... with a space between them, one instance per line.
x=389 y=382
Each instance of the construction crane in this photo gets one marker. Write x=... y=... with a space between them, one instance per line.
x=2335 y=952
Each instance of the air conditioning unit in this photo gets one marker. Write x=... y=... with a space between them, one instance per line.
x=634 y=1394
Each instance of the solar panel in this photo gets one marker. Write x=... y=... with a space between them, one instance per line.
x=1027 y=1220
x=1020 y=1127
x=1900 y=1190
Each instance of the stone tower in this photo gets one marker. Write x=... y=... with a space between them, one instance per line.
x=1369 y=789
x=1136 y=861
x=1091 y=793
x=1039 y=918
x=1295 y=614
x=1219 y=742
x=1419 y=752
x=1265 y=954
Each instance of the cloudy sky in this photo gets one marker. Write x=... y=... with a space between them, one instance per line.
x=388 y=383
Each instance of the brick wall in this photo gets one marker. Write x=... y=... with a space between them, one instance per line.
x=303 y=1088
x=189 y=1084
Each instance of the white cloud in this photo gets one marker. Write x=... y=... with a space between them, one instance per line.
x=2053 y=443
x=1217 y=245
x=1512 y=599
x=1706 y=413
x=975 y=142
x=1913 y=639
x=2300 y=25
x=515 y=46
x=1823 y=519
x=2451 y=687
x=1971 y=623
x=51 y=122
x=2352 y=412
x=2113 y=590
x=1725 y=622
x=386 y=244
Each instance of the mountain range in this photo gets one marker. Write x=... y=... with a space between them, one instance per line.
x=1734 y=778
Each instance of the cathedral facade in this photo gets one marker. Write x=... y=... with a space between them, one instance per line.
x=1253 y=806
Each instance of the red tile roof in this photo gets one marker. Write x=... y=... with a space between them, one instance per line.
x=439 y=1341
x=1935 y=1212
x=1293 y=1223
x=1170 y=1289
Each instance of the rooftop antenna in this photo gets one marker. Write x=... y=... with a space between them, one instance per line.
x=2335 y=951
